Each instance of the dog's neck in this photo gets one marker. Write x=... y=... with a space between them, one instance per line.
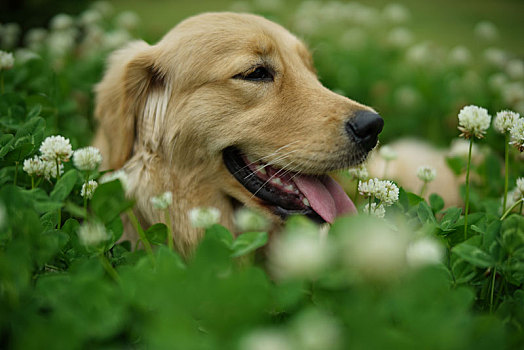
x=150 y=175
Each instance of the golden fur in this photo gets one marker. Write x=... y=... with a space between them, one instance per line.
x=166 y=112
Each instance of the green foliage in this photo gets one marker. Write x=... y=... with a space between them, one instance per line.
x=59 y=291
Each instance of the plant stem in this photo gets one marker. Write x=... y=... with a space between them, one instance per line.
x=519 y=202
x=57 y=170
x=140 y=231
x=492 y=290
x=16 y=173
x=109 y=268
x=58 y=179
x=1 y=81
x=32 y=182
x=506 y=172
x=169 y=230
x=467 y=191
x=423 y=188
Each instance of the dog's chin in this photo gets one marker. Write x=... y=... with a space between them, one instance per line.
x=286 y=193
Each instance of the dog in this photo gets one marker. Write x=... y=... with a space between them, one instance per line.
x=227 y=110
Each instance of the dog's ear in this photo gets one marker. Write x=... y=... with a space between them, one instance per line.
x=129 y=100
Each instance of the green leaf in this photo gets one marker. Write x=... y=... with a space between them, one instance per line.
x=456 y=164
x=425 y=214
x=42 y=202
x=109 y=201
x=248 y=242
x=512 y=233
x=6 y=143
x=221 y=233
x=64 y=186
x=75 y=210
x=436 y=202
x=157 y=234
x=19 y=152
x=473 y=254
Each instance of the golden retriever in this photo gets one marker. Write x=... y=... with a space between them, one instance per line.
x=226 y=110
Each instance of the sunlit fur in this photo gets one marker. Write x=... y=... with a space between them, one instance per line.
x=166 y=112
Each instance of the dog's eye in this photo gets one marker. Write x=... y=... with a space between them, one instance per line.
x=258 y=74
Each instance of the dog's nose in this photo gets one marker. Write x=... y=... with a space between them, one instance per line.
x=365 y=127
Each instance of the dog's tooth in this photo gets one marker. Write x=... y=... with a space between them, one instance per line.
x=250 y=159
x=289 y=188
x=305 y=201
x=277 y=181
x=261 y=169
x=297 y=191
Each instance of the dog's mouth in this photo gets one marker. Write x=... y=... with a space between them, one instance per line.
x=286 y=193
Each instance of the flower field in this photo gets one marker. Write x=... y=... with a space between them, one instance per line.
x=406 y=273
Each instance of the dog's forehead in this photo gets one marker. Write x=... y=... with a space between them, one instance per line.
x=225 y=30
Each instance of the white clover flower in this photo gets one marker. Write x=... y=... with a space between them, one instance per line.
x=426 y=173
x=316 y=330
x=424 y=251
x=246 y=219
x=104 y=7
x=400 y=37
x=517 y=134
x=162 y=201
x=459 y=56
x=35 y=38
x=378 y=211
x=264 y=339
x=368 y=188
x=486 y=30
x=204 y=216
x=92 y=233
x=10 y=33
x=360 y=172
x=56 y=148
x=34 y=166
x=7 y=60
x=396 y=13
x=87 y=158
x=128 y=20
x=513 y=93
x=298 y=255
x=120 y=175
x=374 y=252
x=473 y=121
x=495 y=57
x=61 y=22
x=388 y=153
x=504 y=120
x=90 y=17
x=49 y=170
x=88 y=189
x=116 y=39
x=515 y=69
x=387 y=193
x=61 y=43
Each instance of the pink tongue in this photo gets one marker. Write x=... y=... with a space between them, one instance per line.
x=325 y=196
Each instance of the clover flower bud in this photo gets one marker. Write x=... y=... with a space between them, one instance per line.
x=388 y=153
x=162 y=201
x=424 y=251
x=88 y=189
x=248 y=220
x=7 y=60
x=92 y=233
x=359 y=173
x=378 y=211
x=204 y=217
x=426 y=173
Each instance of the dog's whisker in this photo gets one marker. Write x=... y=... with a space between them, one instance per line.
x=265 y=183
x=267 y=156
x=282 y=157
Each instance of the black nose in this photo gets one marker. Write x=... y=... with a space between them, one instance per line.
x=365 y=127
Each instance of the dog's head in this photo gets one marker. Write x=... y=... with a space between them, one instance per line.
x=232 y=102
